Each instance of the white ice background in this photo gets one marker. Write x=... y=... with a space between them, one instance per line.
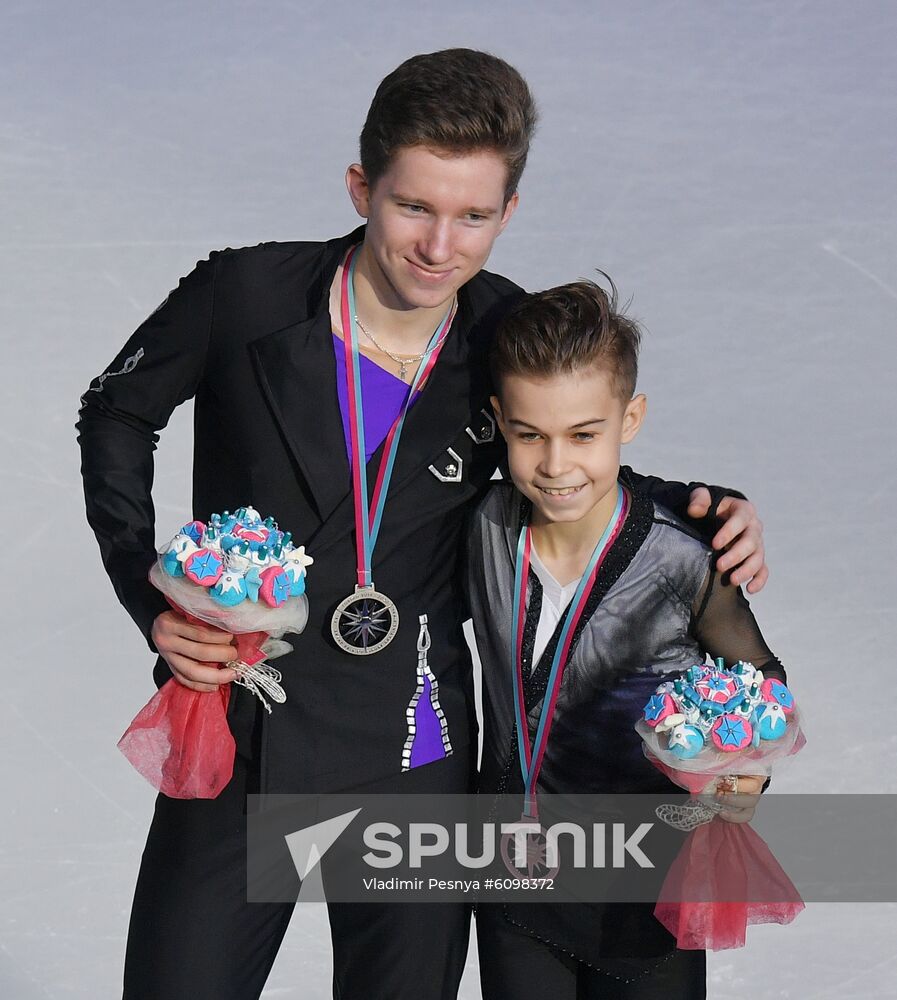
x=731 y=165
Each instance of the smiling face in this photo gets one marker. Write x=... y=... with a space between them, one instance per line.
x=432 y=219
x=564 y=434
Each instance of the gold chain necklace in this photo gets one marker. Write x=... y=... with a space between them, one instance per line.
x=403 y=362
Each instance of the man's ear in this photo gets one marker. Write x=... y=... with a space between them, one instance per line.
x=633 y=416
x=359 y=190
x=510 y=208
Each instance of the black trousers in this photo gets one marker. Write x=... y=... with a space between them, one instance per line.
x=515 y=966
x=194 y=936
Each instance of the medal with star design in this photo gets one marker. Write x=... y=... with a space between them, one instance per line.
x=364 y=622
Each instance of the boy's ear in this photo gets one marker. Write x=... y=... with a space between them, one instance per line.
x=499 y=416
x=633 y=416
x=359 y=190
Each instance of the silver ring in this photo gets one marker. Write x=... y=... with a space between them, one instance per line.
x=730 y=784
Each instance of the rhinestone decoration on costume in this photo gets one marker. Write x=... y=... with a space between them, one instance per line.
x=126 y=369
x=428 y=736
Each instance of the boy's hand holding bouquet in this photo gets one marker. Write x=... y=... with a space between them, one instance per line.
x=717 y=730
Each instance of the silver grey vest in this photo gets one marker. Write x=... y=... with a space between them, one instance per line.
x=635 y=630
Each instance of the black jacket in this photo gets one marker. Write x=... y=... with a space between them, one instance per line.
x=248 y=334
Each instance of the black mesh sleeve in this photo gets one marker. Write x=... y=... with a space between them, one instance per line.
x=724 y=625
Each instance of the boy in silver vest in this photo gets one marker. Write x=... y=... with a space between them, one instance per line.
x=585 y=594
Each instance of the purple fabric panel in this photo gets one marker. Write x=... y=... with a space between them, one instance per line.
x=382 y=396
x=427 y=745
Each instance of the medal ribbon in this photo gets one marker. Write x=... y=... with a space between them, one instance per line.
x=368 y=515
x=530 y=760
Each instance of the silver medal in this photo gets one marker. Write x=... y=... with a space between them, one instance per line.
x=535 y=862
x=364 y=622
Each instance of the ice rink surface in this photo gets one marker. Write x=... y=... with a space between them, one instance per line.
x=731 y=165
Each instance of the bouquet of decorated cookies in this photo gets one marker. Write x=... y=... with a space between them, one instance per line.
x=713 y=720
x=702 y=730
x=243 y=575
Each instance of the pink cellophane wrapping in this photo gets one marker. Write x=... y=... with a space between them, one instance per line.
x=180 y=740
x=725 y=877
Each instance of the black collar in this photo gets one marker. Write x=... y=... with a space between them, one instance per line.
x=296 y=369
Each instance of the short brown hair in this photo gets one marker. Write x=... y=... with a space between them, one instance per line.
x=457 y=100
x=565 y=329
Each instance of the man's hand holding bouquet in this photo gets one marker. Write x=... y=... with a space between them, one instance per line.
x=237 y=582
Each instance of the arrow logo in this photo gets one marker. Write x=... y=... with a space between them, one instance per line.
x=310 y=844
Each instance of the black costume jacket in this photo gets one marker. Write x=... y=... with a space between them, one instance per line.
x=248 y=334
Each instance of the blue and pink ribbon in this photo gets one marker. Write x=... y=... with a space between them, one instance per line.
x=530 y=760
x=369 y=514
